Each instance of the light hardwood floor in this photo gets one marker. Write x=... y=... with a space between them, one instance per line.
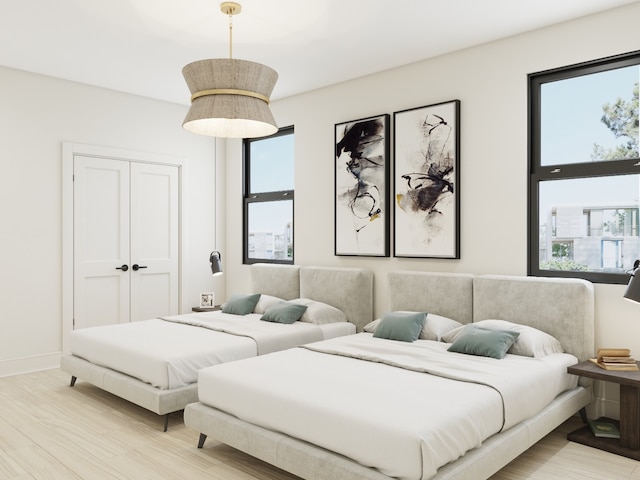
x=49 y=430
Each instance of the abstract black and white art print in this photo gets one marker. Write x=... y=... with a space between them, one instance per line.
x=361 y=187
x=427 y=191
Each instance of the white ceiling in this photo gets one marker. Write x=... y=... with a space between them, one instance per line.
x=140 y=46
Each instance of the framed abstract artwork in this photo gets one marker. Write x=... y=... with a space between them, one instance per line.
x=425 y=178
x=361 y=150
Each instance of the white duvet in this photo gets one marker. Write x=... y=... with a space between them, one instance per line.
x=387 y=412
x=168 y=353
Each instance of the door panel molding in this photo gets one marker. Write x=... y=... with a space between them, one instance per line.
x=69 y=150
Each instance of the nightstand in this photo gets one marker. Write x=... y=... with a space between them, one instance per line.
x=207 y=309
x=628 y=445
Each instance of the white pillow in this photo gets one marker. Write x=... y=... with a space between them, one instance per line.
x=265 y=302
x=530 y=343
x=453 y=334
x=319 y=313
x=434 y=327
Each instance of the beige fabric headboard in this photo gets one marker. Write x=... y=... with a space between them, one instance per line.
x=282 y=281
x=446 y=294
x=348 y=289
x=562 y=307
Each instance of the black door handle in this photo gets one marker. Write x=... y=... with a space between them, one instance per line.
x=124 y=268
x=137 y=267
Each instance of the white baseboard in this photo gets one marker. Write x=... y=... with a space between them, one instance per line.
x=36 y=363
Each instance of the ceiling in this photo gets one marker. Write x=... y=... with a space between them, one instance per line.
x=140 y=46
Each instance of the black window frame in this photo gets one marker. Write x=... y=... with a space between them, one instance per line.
x=539 y=173
x=249 y=198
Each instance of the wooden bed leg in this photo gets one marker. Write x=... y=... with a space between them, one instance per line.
x=201 y=440
x=583 y=415
x=73 y=381
x=166 y=422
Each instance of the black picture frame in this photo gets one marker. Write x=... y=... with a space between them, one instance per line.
x=426 y=181
x=362 y=173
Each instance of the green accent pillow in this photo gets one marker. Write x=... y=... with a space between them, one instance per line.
x=284 y=312
x=484 y=342
x=403 y=326
x=239 y=304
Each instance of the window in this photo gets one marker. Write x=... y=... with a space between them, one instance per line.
x=268 y=198
x=584 y=170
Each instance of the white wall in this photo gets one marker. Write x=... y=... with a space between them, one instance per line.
x=37 y=114
x=491 y=82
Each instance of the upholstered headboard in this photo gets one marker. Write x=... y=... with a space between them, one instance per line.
x=446 y=294
x=348 y=289
x=562 y=307
x=282 y=281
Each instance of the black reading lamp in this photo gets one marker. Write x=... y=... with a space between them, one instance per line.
x=633 y=289
x=216 y=263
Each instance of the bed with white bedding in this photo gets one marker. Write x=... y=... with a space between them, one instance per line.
x=363 y=407
x=154 y=363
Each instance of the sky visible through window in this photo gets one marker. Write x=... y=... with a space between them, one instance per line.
x=268 y=175
x=571 y=111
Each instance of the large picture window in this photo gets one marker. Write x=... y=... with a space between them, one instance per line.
x=268 y=198
x=584 y=180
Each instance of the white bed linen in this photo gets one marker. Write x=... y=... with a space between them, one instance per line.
x=405 y=423
x=168 y=354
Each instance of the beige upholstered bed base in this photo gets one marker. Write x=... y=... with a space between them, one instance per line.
x=349 y=289
x=315 y=463
x=562 y=307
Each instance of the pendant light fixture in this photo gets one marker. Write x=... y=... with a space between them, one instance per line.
x=229 y=97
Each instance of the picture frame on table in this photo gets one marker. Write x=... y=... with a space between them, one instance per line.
x=426 y=181
x=362 y=173
x=207 y=300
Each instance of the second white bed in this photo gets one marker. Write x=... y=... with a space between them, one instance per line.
x=418 y=407
x=154 y=363
x=167 y=353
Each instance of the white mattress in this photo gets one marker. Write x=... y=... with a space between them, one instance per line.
x=168 y=354
x=404 y=422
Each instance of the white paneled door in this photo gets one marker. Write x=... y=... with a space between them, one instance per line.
x=125 y=241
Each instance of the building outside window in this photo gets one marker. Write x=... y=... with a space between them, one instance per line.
x=268 y=198
x=584 y=180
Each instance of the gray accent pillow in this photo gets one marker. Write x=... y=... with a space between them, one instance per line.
x=284 y=312
x=239 y=304
x=484 y=342
x=435 y=326
x=403 y=326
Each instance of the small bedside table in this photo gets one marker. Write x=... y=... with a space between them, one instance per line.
x=207 y=309
x=628 y=445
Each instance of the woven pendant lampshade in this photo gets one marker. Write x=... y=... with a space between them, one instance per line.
x=229 y=97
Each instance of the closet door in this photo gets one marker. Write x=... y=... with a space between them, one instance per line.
x=154 y=241
x=101 y=241
x=125 y=241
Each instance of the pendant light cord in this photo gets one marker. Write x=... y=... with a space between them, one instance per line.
x=230 y=35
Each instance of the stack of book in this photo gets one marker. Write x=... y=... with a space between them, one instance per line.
x=615 y=359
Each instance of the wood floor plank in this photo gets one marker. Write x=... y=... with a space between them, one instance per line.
x=50 y=431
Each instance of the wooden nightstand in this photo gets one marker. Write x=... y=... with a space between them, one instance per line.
x=206 y=309
x=628 y=445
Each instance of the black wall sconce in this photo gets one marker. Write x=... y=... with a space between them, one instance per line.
x=216 y=263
